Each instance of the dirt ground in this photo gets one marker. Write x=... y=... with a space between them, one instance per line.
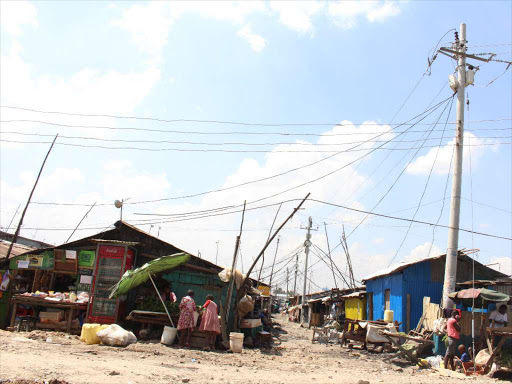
x=56 y=358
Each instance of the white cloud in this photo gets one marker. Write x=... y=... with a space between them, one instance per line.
x=346 y=14
x=297 y=15
x=15 y=14
x=256 y=42
x=423 y=164
x=379 y=240
x=422 y=251
x=149 y=24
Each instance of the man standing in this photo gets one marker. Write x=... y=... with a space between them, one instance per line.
x=453 y=333
x=499 y=317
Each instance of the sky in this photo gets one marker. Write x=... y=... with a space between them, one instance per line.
x=187 y=109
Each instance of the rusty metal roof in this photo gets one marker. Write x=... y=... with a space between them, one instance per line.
x=17 y=249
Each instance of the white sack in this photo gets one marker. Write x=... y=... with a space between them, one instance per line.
x=116 y=336
x=373 y=335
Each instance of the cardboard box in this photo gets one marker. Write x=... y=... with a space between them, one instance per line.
x=51 y=317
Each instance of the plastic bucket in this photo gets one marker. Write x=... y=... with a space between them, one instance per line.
x=236 y=342
x=388 y=316
x=168 y=335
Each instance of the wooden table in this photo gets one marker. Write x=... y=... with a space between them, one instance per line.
x=490 y=334
x=37 y=302
x=149 y=317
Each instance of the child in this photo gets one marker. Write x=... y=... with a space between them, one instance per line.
x=210 y=322
x=464 y=357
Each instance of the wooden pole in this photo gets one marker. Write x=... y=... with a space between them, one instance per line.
x=232 y=279
x=15 y=237
x=330 y=256
x=160 y=297
x=83 y=218
x=272 y=238
x=269 y=233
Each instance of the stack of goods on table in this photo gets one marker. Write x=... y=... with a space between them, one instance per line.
x=65 y=297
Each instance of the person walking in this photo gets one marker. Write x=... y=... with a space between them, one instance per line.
x=186 y=321
x=453 y=333
x=210 y=322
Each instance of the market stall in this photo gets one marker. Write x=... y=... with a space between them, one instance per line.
x=56 y=313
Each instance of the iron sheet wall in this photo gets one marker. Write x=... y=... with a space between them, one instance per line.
x=378 y=286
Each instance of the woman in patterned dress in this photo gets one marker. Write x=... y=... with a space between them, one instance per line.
x=186 y=322
x=210 y=322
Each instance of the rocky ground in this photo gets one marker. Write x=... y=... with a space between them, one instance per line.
x=56 y=358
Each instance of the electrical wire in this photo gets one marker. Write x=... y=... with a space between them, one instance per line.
x=427 y=112
x=223 y=133
x=396 y=180
x=408 y=220
x=424 y=190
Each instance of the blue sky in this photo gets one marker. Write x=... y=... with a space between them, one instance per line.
x=261 y=62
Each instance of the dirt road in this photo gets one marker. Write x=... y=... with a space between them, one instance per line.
x=32 y=357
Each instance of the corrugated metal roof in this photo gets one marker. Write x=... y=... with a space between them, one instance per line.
x=462 y=255
x=115 y=242
x=17 y=249
x=398 y=267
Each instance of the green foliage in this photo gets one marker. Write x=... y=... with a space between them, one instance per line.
x=506 y=358
x=154 y=304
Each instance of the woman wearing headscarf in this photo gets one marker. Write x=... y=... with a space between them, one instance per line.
x=186 y=322
x=210 y=322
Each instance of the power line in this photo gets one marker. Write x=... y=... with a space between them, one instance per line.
x=427 y=112
x=160 y=120
x=397 y=178
x=220 y=133
x=408 y=220
x=236 y=150
x=424 y=191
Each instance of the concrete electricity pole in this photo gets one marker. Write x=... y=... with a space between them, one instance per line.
x=450 y=272
x=307 y=244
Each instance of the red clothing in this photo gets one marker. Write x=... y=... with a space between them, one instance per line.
x=450 y=329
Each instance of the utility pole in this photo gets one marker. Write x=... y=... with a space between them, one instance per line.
x=296 y=272
x=217 y=253
x=287 y=278
x=450 y=272
x=464 y=78
x=83 y=218
x=17 y=232
x=307 y=244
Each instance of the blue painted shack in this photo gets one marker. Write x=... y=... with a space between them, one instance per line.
x=401 y=288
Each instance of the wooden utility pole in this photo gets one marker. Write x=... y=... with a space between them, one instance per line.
x=330 y=256
x=83 y=218
x=273 y=236
x=232 y=279
x=15 y=237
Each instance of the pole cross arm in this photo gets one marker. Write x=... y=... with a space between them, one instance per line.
x=442 y=50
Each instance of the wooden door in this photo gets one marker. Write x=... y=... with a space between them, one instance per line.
x=387 y=298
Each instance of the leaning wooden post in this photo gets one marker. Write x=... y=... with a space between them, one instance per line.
x=15 y=236
x=242 y=286
x=227 y=306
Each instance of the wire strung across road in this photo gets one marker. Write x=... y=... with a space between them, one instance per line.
x=424 y=191
x=425 y=114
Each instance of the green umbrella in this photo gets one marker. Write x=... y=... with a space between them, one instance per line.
x=136 y=277
x=481 y=297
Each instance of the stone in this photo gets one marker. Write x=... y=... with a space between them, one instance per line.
x=185 y=380
x=114 y=373
x=363 y=382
